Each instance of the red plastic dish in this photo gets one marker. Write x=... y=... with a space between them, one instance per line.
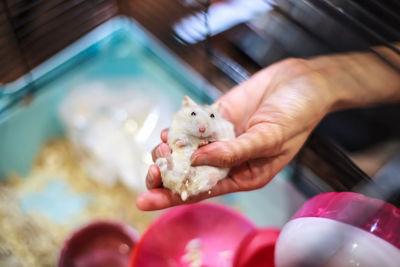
x=218 y=229
x=370 y=214
x=99 y=244
x=257 y=249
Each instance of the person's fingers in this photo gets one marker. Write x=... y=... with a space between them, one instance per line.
x=253 y=174
x=164 y=135
x=155 y=153
x=244 y=178
x=153 y=178
x=260 y=141
x=160 y=151
x=161 y=198
x=156 y=199
x=237 y=111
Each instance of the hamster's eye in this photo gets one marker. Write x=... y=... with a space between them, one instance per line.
x=193 y=113
x=212 y=115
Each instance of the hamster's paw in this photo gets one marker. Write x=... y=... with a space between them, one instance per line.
x=162 y=164
x=184 y=195
x=213 y=180
x=180 y=143
x=203 y=142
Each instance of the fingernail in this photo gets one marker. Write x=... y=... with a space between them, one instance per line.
x=201 y=159
x=150 y=179
x=158 y=152
x=164 y=135
x=164 y=149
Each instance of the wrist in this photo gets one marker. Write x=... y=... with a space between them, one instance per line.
x=357 y=80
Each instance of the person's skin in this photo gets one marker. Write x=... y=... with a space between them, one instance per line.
x=274 y=112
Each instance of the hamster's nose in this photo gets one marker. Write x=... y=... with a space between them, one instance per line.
x=202 y=129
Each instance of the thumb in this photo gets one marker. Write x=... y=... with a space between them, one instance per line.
x=252 y=144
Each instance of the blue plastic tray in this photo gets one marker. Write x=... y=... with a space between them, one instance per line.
x=117 y=49
x=120 y=48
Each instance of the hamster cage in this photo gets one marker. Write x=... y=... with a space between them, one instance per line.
x=133 y=61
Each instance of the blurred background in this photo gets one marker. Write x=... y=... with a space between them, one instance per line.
x=87 y=85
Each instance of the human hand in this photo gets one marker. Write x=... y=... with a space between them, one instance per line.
x=281 y=109
x=273 y=113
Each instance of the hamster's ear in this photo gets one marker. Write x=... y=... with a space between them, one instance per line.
x=216 y=106
x=188 y=102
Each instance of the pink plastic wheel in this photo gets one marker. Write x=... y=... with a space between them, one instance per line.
x=341 y=229
x=370 y=214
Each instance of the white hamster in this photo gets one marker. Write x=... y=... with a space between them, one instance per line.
x=193 y=126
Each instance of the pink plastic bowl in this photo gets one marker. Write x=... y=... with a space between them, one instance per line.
x=99 y=244
x=218 y=229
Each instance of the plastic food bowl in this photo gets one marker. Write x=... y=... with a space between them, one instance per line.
x=205 y=234
x=99 y=244
x=341 y=229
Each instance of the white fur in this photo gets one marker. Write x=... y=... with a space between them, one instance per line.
x=184 y=138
